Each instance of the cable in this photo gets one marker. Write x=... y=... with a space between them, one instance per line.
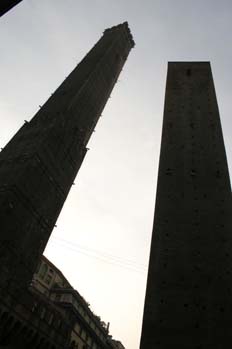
x=103 y=254
x=100 y=257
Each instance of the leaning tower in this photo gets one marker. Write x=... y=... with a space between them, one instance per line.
x=39 y=164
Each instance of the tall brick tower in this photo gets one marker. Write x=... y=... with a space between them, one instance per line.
x=188 y=301
x=39 y=164
x=7 y=5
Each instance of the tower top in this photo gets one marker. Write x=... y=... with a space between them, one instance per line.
x=188 y=62
x=179 y=65
x=124 y=27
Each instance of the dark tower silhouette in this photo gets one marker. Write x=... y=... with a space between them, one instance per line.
x=189 y=289
x=38 y=166
x=6 y=5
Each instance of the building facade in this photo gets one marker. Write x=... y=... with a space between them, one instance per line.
x=189 y=288
x=116 y=344
x=86 y=329
x=38 y=166
x=58 y=314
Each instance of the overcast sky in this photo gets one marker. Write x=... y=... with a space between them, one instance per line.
x=102 y=239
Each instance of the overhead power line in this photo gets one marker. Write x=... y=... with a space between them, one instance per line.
x=102 y=256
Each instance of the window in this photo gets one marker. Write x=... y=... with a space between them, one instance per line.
x=57 y=297
x=168 y=171
x=193 y=173
x=42 y=313
x=58 y=324
x=48 y=279
x=73 y=344
x=83 y=334
x=35 y=305
x=50 y=319
x=43 y=270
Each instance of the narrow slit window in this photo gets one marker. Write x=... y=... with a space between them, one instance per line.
x=169 y=172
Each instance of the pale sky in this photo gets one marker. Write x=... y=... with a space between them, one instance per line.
x=102 y=239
